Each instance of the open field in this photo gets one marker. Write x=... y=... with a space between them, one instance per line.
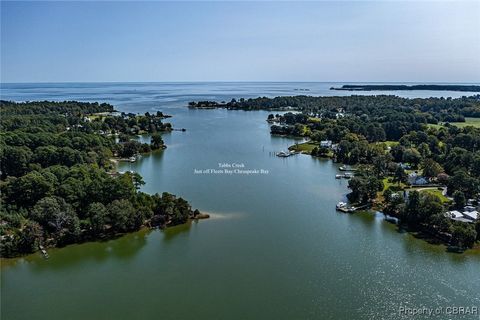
x=474 y=122
x=305 y=147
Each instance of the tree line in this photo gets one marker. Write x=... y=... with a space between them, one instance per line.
x=56 y=184
x=388 y=137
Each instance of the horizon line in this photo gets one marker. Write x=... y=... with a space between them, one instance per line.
x=241 y=81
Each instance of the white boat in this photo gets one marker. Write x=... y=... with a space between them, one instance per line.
x=341 y=205
x=283 y=154
x=338 y=176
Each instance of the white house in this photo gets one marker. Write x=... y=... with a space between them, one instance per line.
x=469 y=214
x=326 y=143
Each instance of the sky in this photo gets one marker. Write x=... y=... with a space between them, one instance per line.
x=378 y=41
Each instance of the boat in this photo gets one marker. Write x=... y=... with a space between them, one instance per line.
x=348 y=175
x=284 y=154
x=391 y=219
x=44 y=252
x=344 y=207
x=341 y=205
x=338 y=176
x=345 y=168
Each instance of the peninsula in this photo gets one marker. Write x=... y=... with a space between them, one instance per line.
x=58 y=184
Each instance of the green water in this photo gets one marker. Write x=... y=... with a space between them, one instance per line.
x=275 y=248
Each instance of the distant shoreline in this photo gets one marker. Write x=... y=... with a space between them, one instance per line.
x=392 y=87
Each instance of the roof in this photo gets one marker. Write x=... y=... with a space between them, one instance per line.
x=472 y=215
x=455 y=214
x=462 y=220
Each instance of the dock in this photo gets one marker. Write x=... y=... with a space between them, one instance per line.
x=285 y=154
x=43 y=251
x=343 y=207
x=347 y=175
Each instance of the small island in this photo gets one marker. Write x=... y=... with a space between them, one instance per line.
x=58 y=182
x=397 y=87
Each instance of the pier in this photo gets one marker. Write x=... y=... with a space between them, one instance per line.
x=43 y=251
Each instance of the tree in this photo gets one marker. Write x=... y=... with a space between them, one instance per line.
x=14 y=161
x=30 y=237
x=464 y=182
x=121 y=215
x=97 y=215
x=411 y=214
x=459 y=199
x=477 y=228
x=137 y=180
x=412 y=156
x=464 y=236
x=28 y=189
x=380 y=164
x=400 y=175
x=424 y=150
x=130 y=148
x=57 y=218
x=364 y=188
x=431 y=168
x=181 y=212
x=430 y=206
x=156 y=141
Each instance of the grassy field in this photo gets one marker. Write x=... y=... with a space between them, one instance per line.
x=434 y=191
x=305 y=147
x=474 y=122
x=387 y=183
x=387 y=143
x=438 y=193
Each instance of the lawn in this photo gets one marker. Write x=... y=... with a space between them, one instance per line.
x=391 y=143
x=433 y=191
x=305 y=147
x=438 y=193
x=387 y=183
x=474 y=122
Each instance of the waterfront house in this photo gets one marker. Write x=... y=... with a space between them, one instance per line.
x=326 y=144
x=469 y=214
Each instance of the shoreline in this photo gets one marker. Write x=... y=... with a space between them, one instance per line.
x=113 y=236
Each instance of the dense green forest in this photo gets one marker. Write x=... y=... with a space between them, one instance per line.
x=390 y=139
x=57 y=183
x=396 y=87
